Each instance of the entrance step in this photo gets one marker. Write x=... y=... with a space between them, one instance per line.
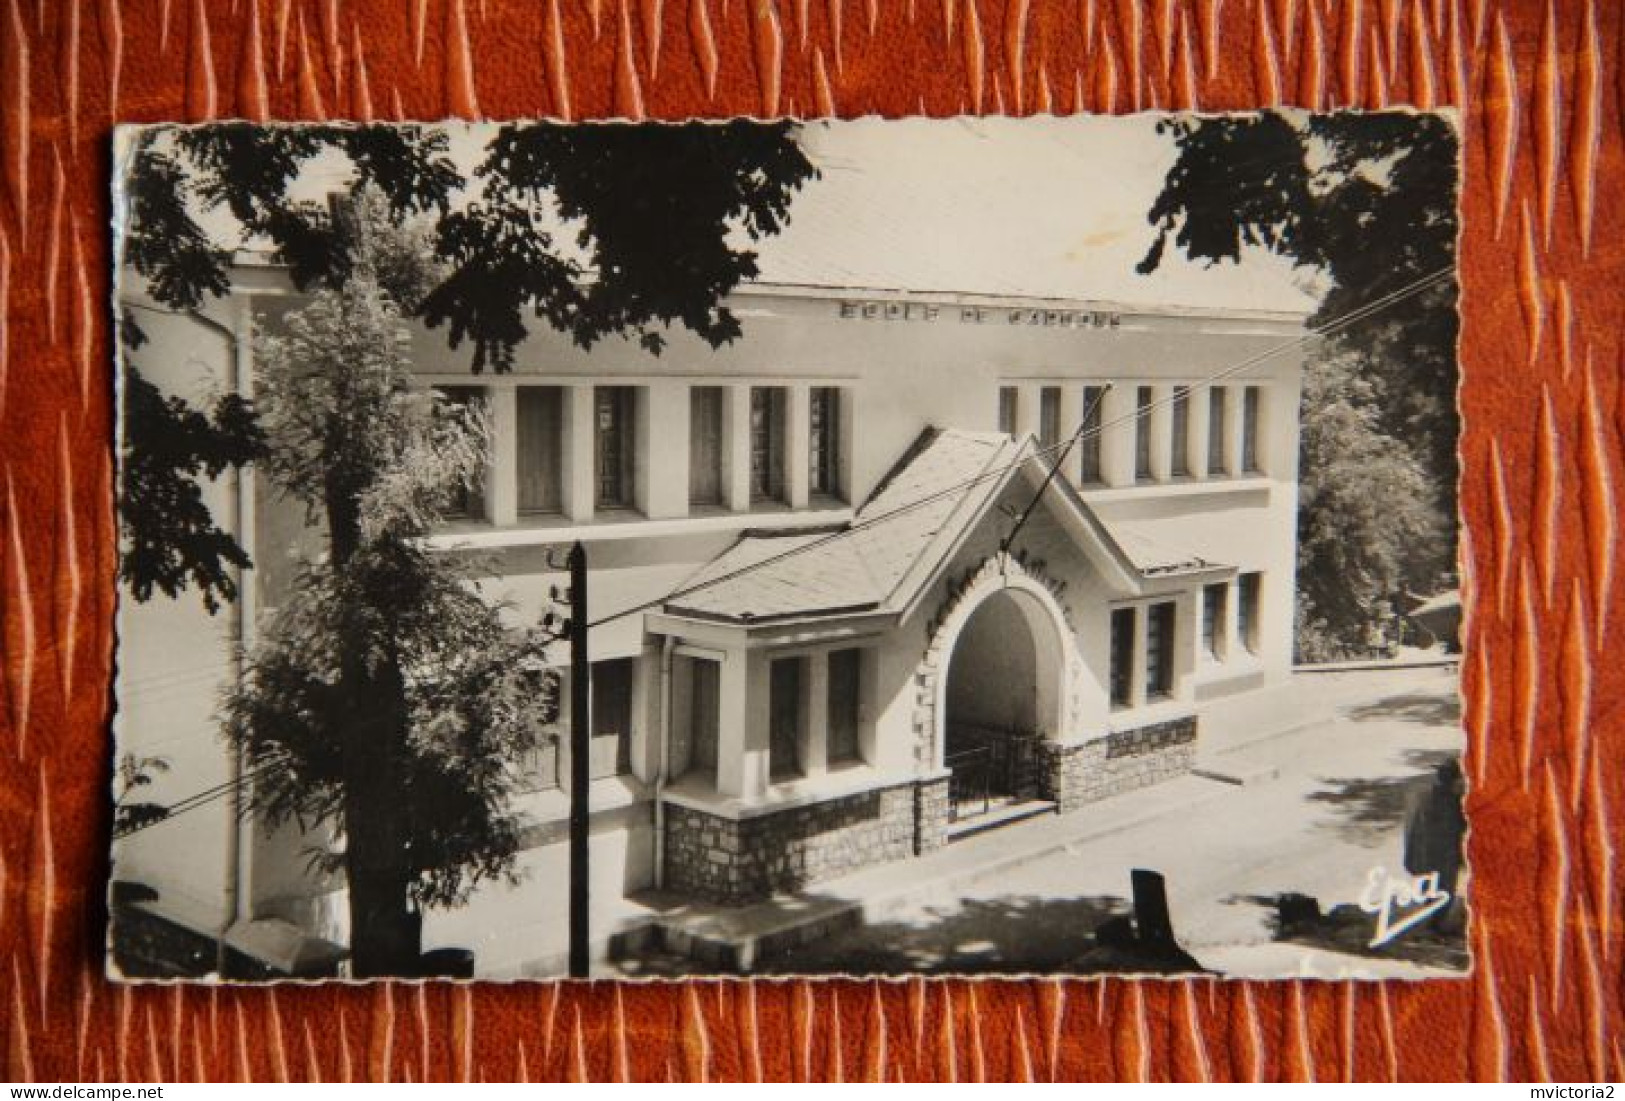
x=997 y=816
x=1239 y=773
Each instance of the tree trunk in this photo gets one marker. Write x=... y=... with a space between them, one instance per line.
x=385 y=932
x=385 y=928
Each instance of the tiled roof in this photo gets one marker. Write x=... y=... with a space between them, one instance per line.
x=925 y=503
x=897 y=539
x=1152 y=557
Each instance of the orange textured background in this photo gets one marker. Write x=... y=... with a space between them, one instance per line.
x=1541 y=88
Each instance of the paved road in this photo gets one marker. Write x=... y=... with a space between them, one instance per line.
x=1335 y=811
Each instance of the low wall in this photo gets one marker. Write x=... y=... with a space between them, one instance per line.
x=1126 y=760
x=723 y=859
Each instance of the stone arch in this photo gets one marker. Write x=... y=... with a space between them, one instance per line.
x=1059 y=665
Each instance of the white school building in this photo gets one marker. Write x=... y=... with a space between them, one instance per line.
x=840 y=663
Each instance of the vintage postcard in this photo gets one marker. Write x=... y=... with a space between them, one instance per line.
x=949 y=547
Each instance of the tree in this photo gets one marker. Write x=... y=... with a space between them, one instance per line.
x=387 y=698
x=1368 y=514
x=1367 y=203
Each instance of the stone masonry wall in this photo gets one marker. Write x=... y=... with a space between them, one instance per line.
x=742 y=860
x=1122 y=761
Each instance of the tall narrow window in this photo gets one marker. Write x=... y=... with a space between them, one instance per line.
x=785 y=711
x=540 y=449
x=1179 y=447
x=467 y=501
x=611 y=718
x=767 y=443
x=705 y=445
x=1214 y=599
x=1089 y=442
x=1007 y=410
x=824 y=441
x=1249 y=430
x=1250 y=586
x=704 y=718
x=845 y=701
x=1217 y=432
x=1142 y=435
x=539 y=764
x=614 y=441
x=1049 y=416
x=1122 y=673
x=1159 y=651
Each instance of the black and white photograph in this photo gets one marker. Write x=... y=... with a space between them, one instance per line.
x=867 y=547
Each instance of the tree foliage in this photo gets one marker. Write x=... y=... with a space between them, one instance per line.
x=170 y=450
x=1367 y=203
x=594 y=230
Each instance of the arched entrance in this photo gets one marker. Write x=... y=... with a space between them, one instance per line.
x=1003 y=693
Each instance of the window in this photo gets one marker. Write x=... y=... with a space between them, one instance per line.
x=1249 y=430
x=540 y=451
x=1214 y=599
x=1179 y=449
x=1122 y=674
x=1217 y=430
x=705 y=445
x=614 y=443
x=1250 y=585
x=1007 y=410
x=704 y=716
x=467 y=501
x=767 y=443
x=1049 y=416
x=784 y=722
x=824 y=441
x=611 y=718
x=539 y=765
x=845 y=701
x=1089 y=442
x=1142 y=435
x=1159 y=651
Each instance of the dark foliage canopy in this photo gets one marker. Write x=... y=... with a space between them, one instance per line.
x=171 y=538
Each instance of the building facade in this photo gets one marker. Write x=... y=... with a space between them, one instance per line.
x=847 y=612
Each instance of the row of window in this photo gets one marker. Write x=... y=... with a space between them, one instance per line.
x=541 y=430
x=1180 y=465
x=1155 y=672
x=789 y=709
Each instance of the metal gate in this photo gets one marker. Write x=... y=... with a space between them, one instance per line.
x=979 y=778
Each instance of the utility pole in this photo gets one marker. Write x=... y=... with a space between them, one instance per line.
x=580 y=762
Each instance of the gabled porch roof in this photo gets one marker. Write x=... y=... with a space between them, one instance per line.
x=904 y=535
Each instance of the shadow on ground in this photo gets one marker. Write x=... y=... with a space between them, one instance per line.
x=973 y=937
x=1429 y=709
x=1369 y=807
x=1346 y=929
